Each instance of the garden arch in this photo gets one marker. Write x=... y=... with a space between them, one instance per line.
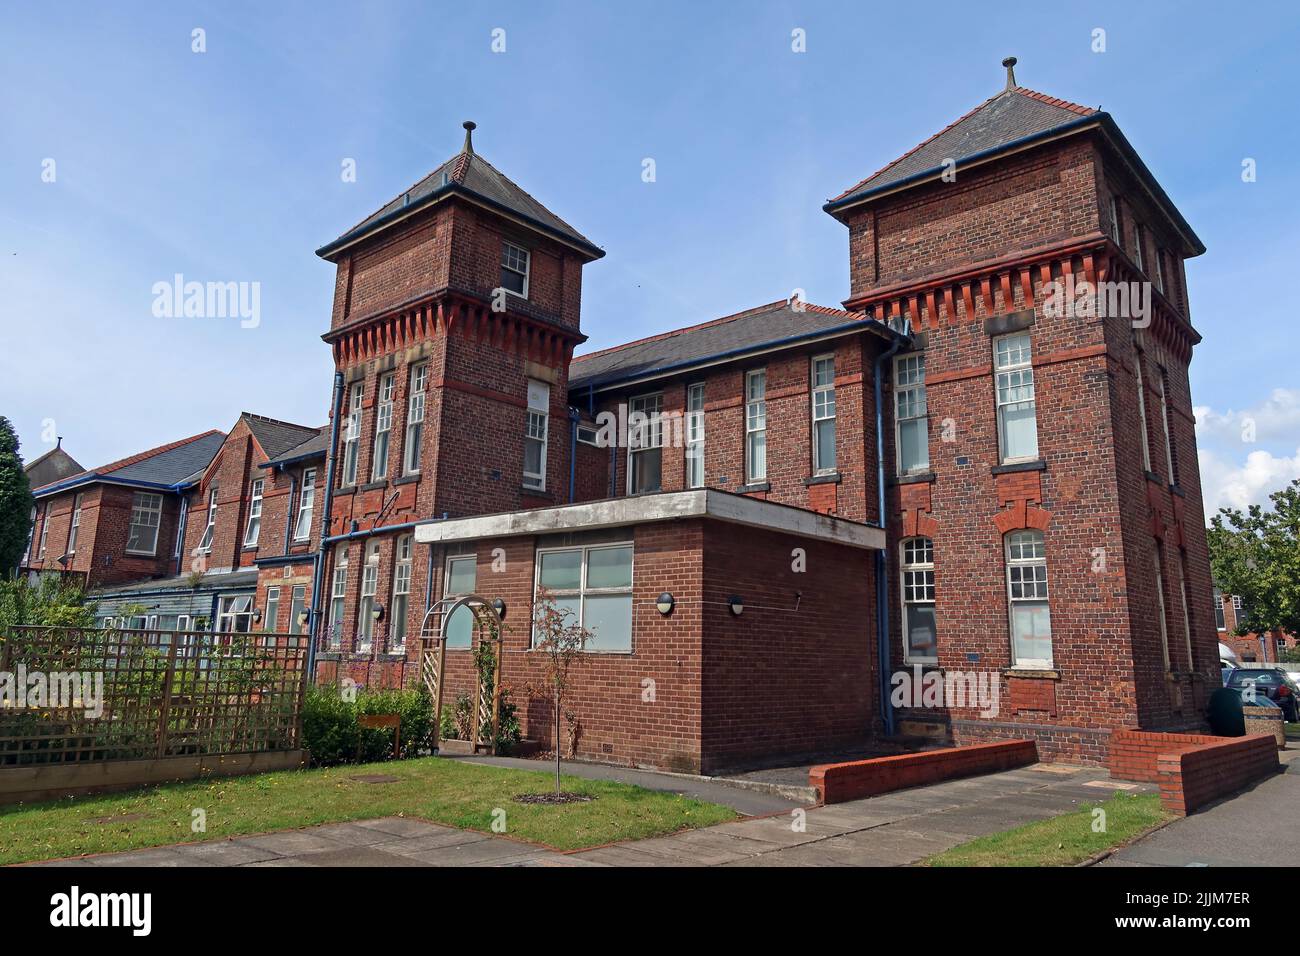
x=486 y=634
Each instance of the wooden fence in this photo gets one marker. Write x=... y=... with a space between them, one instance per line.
x=76 y=695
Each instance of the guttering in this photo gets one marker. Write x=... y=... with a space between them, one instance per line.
x=282 y=463
x=442 y=192
x=882 y=577
x=318 y=572
x=719 y=358
x=94 y=478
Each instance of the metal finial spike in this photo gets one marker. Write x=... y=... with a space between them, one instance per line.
x=1010 y=64
x=470 y=126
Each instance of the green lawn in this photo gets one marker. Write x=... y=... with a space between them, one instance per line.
x=442 y=791
x=1060 y=841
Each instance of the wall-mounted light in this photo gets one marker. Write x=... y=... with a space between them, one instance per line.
x=664 y=603
x=257 y=616
x=302 y=619
x=377 y=612
x=736 y=604
x=500 y=607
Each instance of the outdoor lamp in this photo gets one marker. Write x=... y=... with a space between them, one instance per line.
x=736 y=605
x=302 y=618
x=664 y=603
x=257 y=616
x=377 y=612
x=500 y=607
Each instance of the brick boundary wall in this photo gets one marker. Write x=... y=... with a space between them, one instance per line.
x=1191 y=769
x=838 y=782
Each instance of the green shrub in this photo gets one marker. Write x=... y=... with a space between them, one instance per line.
x=50 y=602
x=332 y=735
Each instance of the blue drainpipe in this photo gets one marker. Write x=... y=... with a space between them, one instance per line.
x=573 y=451
x=882 y=584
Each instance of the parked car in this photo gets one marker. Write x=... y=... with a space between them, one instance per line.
x=1225 y=671
x=1270 y=682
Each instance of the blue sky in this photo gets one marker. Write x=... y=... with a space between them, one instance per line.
x=226 y=166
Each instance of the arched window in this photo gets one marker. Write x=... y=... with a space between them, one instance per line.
x=920 y=644
x=1031 y=623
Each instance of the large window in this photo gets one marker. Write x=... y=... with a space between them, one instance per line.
x=31 y=530
x=271 y=619
x=235 y=614
x=823 y=414
x=1158 y=563
x=1220 y=623
x=366 y=606
x=645 y=438
x=383 y=427
x=338 y=596
x=352 y=435
x=414 y=419
x=297 y=608
x=401 y=596
x=756 y=426
x=514 y=269
x=76 y=524
x=306 y=502
x=146 y=515
x=595 y=583
x=1017 y=413
x=1138 y=361
x=535 y=432
x=1031 y=624
x=920 y=643
x=695 y=435
x=1139 y=252
x=462 y=570
x=911 y=415
x=254 y=529
x=45 y=532
x=1116 y=232
x=1187 y=613
x=205 y=543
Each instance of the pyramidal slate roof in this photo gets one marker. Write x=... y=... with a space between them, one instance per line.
x=731 y=335
x=313 y=447
x=1015 y=113
x=469 y=174
x=164 y=466
x=277 y=437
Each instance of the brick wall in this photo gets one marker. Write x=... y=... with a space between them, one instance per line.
x=1192 y=769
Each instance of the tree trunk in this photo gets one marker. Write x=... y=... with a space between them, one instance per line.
x=557 y=742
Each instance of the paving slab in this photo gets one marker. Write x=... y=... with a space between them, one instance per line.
x=703 y=847
x=627 y=854
x=353 y=856
x=471 y=854
x=777 y=831
x=403 y=826
x=431 y=841
x=350 y=834
x=290 y=842
x=226 y=853
x=158 y=856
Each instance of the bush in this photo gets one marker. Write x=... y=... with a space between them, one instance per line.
x=456 y=722
x=332 y=735
x=51 y=602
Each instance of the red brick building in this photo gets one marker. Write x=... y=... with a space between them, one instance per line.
x=982 y=466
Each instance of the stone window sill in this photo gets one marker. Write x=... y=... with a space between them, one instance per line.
x=1035 y=672
x=760 y=486
x=831 y=478
x=916 y=479
x=1019 y=466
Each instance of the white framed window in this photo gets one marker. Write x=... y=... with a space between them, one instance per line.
x=76 y=524
x=306 y=502
x=271 y=617
x=338 y=596
x=366 y=605
x=45 y=532
x=383 y=426
x=254 y=529
x=352 y=435
x=1017 y=411
x=297 y=608
x=920 y=640
x=514 y=269
x=756 y=426
x=31 y=531
x=1158 y=564
x=536 y=428
x=183 y=622
x=1187 y=614
x=415 y=399
x=695 y=435
x=1220 y=621
x=1166 y=420
x=1139 y=253
x=911 y=415
x=645 y=438
x=1159 y=260
x=1139 y=361
x=205 y=543
x=823 y=414
x=401 y=602
x=589 y=435
x=1031 y=623
x=1115 y=228
x=595 y=583
x=235 y=614
x=146 y=516
x=459 y=580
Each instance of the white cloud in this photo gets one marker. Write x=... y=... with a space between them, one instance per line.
x=1275 y=418
x=1229 y=484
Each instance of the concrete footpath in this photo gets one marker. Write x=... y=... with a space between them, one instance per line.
x=891 y=830
x=1258 y=826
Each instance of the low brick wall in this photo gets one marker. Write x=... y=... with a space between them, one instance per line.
x=837 y=782
x=1191 y=769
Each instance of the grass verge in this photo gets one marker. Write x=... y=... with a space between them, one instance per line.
x=442 y=791
x=1063 y=840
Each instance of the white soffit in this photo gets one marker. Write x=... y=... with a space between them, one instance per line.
x=646 y=509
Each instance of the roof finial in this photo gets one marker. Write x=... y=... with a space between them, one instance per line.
x=60 y=443
x=1010 y=64
x=470 y=126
